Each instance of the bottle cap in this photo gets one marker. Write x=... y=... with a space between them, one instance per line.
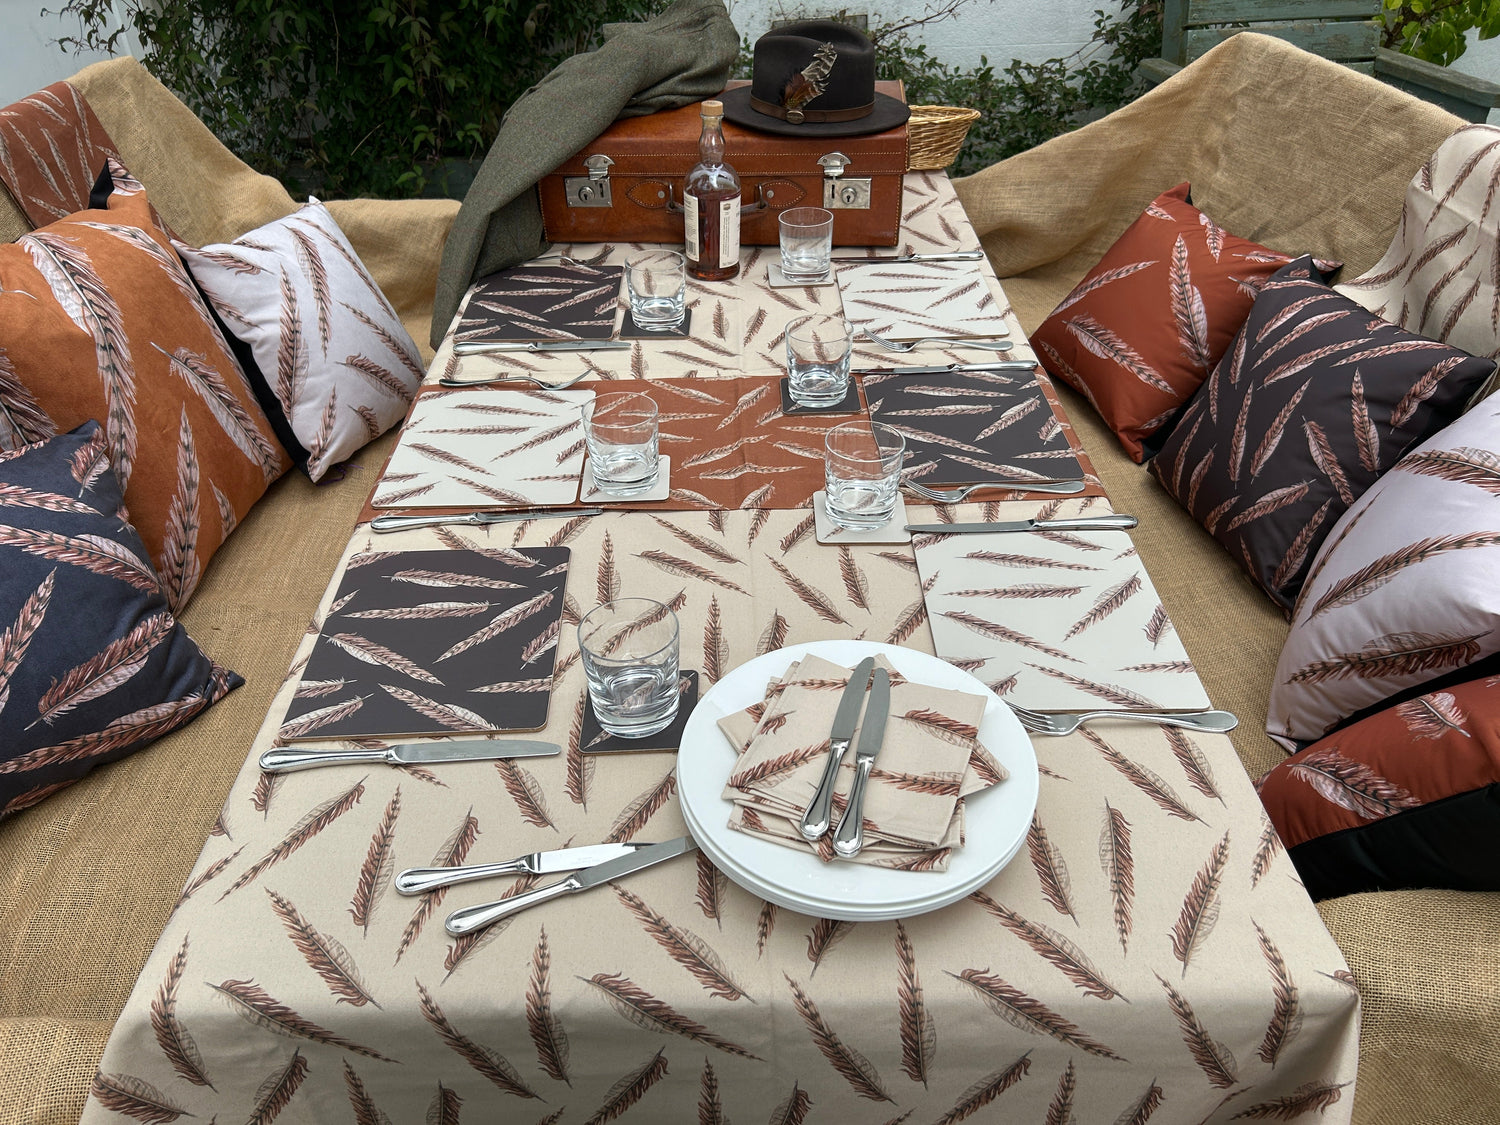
x=713 y=108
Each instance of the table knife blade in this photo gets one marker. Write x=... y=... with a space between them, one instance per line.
x=472 y=918
x=420 y=880
x=819 y=812
x=849 y=838
x=280 y=759
x=388 y=523
x=480 y=347
x=1076 y=523
x=954 y=368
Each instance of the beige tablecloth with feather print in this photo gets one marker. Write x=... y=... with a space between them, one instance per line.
x=1149 y=955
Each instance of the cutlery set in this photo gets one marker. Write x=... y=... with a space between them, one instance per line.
x=848 y=838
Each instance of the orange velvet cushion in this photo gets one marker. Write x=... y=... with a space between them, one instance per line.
x=98 y=319
x=1146 y=325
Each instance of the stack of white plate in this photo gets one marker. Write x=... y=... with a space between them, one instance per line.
x=996 y=820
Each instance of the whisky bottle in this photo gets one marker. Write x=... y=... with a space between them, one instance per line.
x=711 y=204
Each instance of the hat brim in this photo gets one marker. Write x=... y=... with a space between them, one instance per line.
x=887 y=114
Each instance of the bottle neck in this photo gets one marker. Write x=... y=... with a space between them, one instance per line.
x=711 y=142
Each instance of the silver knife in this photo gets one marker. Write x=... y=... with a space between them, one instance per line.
x=815 y=820
x=954 y=368
x=477 y=519
x=479 y=347
x=472 y=918
x=950 y=256
x=280 y=759
x=1076 y=523
x=850 y=836
x=419 y=880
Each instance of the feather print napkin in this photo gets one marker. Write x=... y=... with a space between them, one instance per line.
x=913 y=809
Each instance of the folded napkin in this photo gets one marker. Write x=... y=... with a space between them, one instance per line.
x=930 y=759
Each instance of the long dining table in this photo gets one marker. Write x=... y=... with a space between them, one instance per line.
x=1148 y=953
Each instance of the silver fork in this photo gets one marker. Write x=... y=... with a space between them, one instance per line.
x=513 y=377
x=1051 y=722
x=954 y=495
x=569 y=260
x=956 y=341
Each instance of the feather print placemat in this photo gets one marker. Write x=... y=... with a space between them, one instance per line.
x=974 y=426
x=434 y=642
x=487 y=448
x=912 y=300
x=558 y=301
x=1063 y=621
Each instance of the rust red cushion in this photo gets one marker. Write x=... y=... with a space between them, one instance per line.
x=1146 y=325
x=1408 y=797
x=99 y=319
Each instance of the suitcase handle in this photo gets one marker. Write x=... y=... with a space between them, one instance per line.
x=761 y=202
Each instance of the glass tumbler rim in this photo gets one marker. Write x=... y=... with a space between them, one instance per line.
x=797 y=322
x=877 y=430
x=638 y=258
x=668 y=614
x=804 y=216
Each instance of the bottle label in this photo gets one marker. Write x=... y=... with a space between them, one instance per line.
x=693 y=250
x=729 y=232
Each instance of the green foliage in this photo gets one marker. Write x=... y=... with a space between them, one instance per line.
x=370 y=97
x=366 y=96
x=1024 y=103
x=1435 y=29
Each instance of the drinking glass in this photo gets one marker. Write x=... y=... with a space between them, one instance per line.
x=806 y=243
x=629 y=648
x=620 y=431
x=657 y=283
x=862 y=469
x=817 y=359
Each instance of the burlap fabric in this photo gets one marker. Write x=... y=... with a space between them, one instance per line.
x=207 y=194
x=88 y=877
x=1303 y=156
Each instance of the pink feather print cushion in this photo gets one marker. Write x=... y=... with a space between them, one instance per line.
x=336 y=367
x=1406 y=589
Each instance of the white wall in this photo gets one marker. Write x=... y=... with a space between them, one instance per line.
x=998 y=29
x=29 y=55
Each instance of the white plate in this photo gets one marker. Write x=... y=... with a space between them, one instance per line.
x=996 y=821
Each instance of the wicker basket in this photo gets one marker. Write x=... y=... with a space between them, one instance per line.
x=934 y=135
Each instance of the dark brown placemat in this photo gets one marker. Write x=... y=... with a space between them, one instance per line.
x=972 y=427
x=434 y=642
x=557 y=301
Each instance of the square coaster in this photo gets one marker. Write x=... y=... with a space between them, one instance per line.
x=848 y=405
x=630 y=330
x=830 y=532
x=779 y=280
x=588 y=494
x=593 y=740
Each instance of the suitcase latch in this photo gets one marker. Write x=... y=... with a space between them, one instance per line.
x=592 y=190
x=840 y=192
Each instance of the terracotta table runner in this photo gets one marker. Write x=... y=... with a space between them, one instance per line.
x=1148 y=955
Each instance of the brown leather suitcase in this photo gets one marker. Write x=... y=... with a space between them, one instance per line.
x=627 y=185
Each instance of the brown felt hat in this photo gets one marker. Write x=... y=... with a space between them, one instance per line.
x=815 y=78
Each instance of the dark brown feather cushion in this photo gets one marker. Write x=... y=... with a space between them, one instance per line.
x=1313 y=401
x=93 y=666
